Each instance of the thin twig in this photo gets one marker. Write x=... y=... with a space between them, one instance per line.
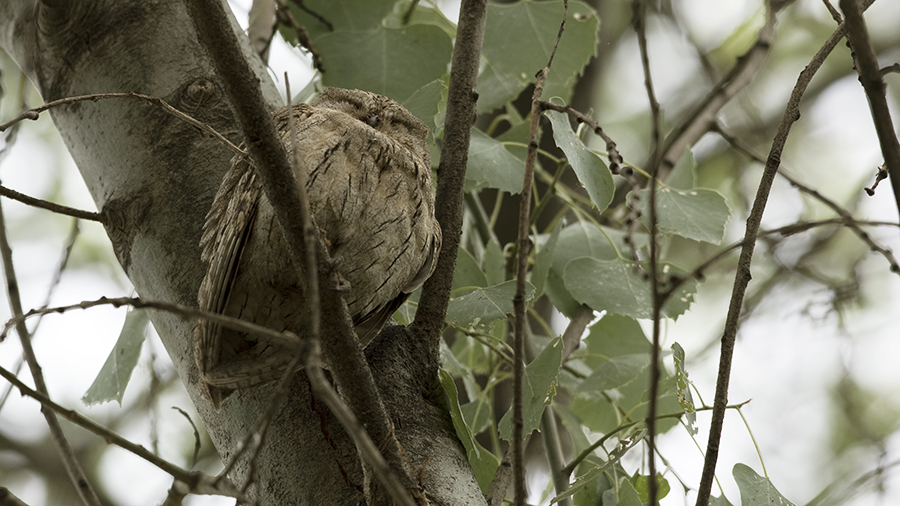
x=33 y=114
x=639 y=15
x=286 y=339
x=50 y=206
x=742 y=276
x=872 y=82
x=63 y=447
x=522 y=251
x=199 y=483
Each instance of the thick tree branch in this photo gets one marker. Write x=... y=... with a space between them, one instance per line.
x=742 y=276
x=872 y=82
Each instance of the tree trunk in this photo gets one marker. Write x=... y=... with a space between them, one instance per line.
x=153 y=177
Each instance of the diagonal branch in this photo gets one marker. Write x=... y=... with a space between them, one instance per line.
x=448 y=204
x=742 y=276
x=342 y=349
x=873 y=83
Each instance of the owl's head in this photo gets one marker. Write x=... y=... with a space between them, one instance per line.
x=380 y=113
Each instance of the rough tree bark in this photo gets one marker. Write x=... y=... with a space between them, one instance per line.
x=153 y=178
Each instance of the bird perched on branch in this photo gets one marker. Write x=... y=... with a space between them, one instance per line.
x=367 y=170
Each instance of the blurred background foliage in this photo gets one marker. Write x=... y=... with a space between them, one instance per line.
x=814 y=353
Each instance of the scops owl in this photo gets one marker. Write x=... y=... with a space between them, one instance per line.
x=367 y=170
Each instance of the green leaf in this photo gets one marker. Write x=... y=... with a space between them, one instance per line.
x=590 y=169
x=372 y=59
x=683 y=386
x=642 y=486
x=116 y=372
x=719 y=501
x=700 y=214
x=543 y=260
x=581 y=239
x=628 y=496
x=343 y=15
x=518 y=40
x=491 y=165
x=484 y=463
x=614 y=286
x=755 y=489
x=467 y=272
x=478 y=414
x=427 y=102
x=615 y=372
x=484 y=305
x=494 y=263
x=537 y=389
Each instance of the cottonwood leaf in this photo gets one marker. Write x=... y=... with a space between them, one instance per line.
x=613 y=373
x=467 y=273
x=614 y=286
x=518 y=39
x=642 y=486
x=372 y=59
x=484 y=305
x=699 y=214
x=427 y=102
x=484 y=463
x=755 y=489
x=343 y=15
x=110 y=383
x=543 y=260
x=537 y=389
x=593 y=174
x=491 y=165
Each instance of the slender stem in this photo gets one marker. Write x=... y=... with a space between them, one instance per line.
x=640 y=14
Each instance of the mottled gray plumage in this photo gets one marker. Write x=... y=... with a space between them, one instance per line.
x=367 y=169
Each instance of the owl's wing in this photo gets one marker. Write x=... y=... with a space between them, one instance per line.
x=430 y=263
x=371 y=324
x=227 y=226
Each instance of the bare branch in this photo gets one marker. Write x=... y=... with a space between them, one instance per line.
x=448 y=204
x=50 y=206
x=33 y=114
x=847 y=218
x=522 y=251
x=703 y=117
x=872 y=82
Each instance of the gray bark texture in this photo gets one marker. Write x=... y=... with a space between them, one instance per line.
x=153 y=177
